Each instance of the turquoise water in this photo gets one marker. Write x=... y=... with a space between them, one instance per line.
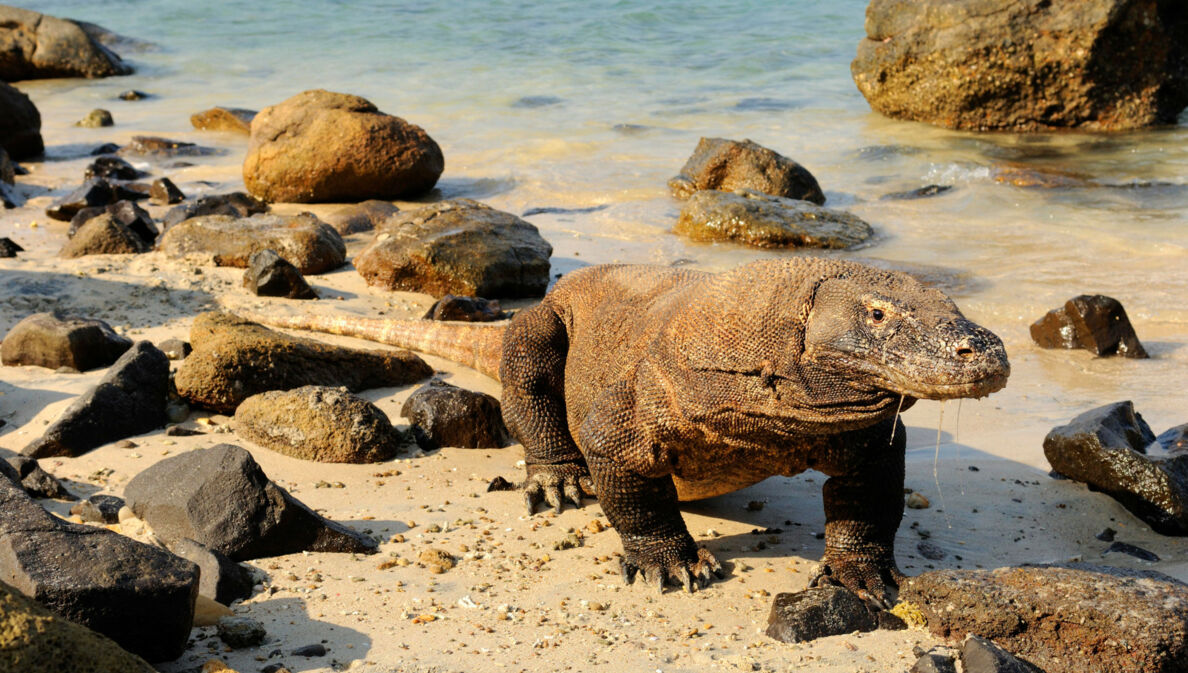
x=597 y=104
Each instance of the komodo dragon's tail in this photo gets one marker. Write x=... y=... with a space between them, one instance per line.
x=475 y=345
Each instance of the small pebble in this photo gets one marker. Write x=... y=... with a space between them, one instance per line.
x=917 y=501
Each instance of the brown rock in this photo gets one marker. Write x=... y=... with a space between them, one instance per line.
x=1063 y=618
x=233 y=204
x=1026 y=66
x=1096 y=323
x=55 y=340
x=163 y=192
x=104 y=235
x=324 y=146
x=318 y=423
x=235 y=120
x=765 y=221
x=96 y=118
x=154 y=146
x=361 y=216
x=465 y=309
x=728 y=165
x=20 y=134
x=234 y=359
x=305 y=241
x=36 y=46
x=458 y=247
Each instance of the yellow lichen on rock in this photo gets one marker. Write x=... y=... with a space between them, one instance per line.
x=911 y=614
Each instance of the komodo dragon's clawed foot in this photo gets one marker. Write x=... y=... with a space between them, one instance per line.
x=556 y=485
x=661 y=562
x=874 y=580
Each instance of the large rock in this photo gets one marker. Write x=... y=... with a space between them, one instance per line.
x=1106 y=448
x=270 y=275
x=1026 y=66
x=979 y=655
x=325 y=146
x=138 y=595
x=221 y=498
x=104 y=235
x=305 y=241
x=20 y=134
x=233 y=204
x=320 y=423
x=816 y=613
x=234 y=359
x=127 y=213
x=765 y=221
x=1063 y=618
x=36 y=46
x=235 y=120
x=222 y=579
x=460 y=247
x=35 y=640
x=729 y=165
x=129 y=400
x=55 y=340
x=1095 y=322
x=446 y=415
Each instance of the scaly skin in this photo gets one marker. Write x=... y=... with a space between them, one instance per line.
x=653 y=385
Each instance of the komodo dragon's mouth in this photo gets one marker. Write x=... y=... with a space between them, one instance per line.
x=980 y=387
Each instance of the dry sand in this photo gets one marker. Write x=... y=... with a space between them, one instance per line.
x=514 y=602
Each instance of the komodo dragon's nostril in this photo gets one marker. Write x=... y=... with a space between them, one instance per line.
x=965 y=352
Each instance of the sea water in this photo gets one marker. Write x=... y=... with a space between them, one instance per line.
x=594 y=105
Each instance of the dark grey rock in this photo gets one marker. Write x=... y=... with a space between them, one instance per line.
x=96 y=118
x=446 y=415
x=163 y=192
x=36 y=481
x=816 y=613
x=93 y=193
x=129 y=400
x=766 y=221
x=9 y=197
x=132 y=95
x=105 y=148
x=127 y=213
x=100 y=509
x=466 y=309
x=920 y=193
x=8 y=248
x=270 y=275
x=20 y=135
x=979 y=655
x=140 y=596
x=233 y=204
x=7 y=169
x=1106 y=535
x=1174 y=439
x=221 y=498
x=175 y=349
x=112 y=168
x=728 y=165
x=104 y=235
x=930 y=551
x=1131 y=550
x=315 y=650
x=38 y=46
x=241 y=632
x=222 y=579
x=1094 y=322
x=934 y=663
x=55 y=340
x=1106 y=447
x=160 y=148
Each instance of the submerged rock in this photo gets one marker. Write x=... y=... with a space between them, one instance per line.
x=221 y=498
x=729 y=165
x=234 y=359
x=1094 y=322
x=270 y=275
x=325 y=146
x=816 y=613
x=157 y=147
x=765 y=221
x=446 y=415
x=458 y=247
x=112 y=168
x=20 y=135
x=466 y=309
x=55 y=340
x=37 y=46
x=1063 y=618
x=305 y=241
x=1025 y=66
x=96 y=118
x=1106 y=449
x=920 y=193
x=319 y=423
x=128 y=400
x=233 y=204
x=235 y=120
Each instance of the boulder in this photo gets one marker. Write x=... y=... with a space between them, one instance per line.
x=816 y=613
x=219 y=497
x=164 y=193
x=128 y=400
x=37 y=46
x=319 y=423
x=364 y=216
x=446 y=415
x=459 y=247
x=1106 y=449
x=1025 y=66
x=162 y=148
x=765 y=221
x=222 y=580
x=465 y=309
x=96 y=118
x=979 y=655
x=305 y=241
x=234 y=359
x=103 y=509
x=234 y=204
x=127 y=213
x=325 y=146
x=138 y=595
x=270 y=275
x=104 y=235
x=93 y=193
x=1062 y=618
x=35 y=640
x=235 y=120
x=55 y=340
x=20 y=134
x=112 y=168
x=37 y=482
x=729 y=165
x=1095 y=322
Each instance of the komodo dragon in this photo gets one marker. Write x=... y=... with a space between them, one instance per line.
x=663 y=384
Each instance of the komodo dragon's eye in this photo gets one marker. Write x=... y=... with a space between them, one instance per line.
x=876 y=314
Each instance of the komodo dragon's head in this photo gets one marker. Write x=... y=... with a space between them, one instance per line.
x=888 y=331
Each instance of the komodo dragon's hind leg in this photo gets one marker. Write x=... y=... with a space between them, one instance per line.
x=533 y=375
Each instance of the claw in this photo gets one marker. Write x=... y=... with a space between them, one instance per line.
x=586 y=482
x=532 y=497
x=655 y=578
x=685 y=579
x=552 y=495
x=573 y=494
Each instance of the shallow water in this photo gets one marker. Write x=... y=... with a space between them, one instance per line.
x=576 y=105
